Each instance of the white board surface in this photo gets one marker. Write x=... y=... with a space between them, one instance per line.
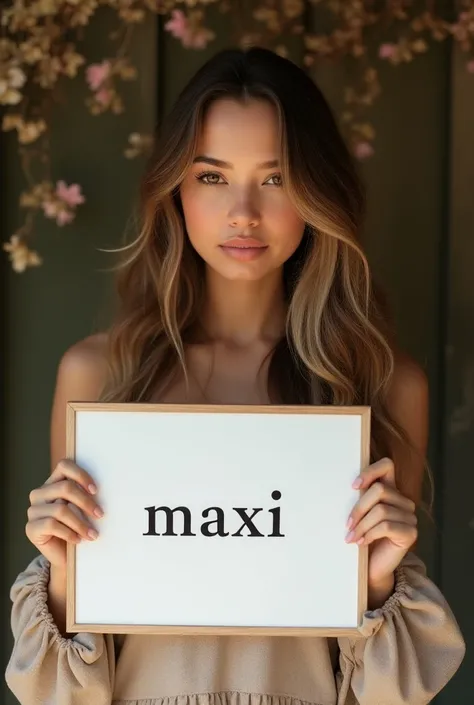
x=140 y=458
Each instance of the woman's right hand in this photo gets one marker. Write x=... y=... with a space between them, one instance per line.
x=52 y=517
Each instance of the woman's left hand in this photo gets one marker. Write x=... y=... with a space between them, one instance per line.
x=385 y=520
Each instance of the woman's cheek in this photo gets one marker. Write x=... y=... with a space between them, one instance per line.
x=286 y=218
x=205 y=215
x=207 y=204
x=278 y=203
x=198 y=210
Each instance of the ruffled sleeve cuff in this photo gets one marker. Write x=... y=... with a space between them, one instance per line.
x=373 y=619
x=408 y=648
x=46 y=666
x=31 y=589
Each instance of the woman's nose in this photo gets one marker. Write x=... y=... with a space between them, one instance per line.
x=244 y=213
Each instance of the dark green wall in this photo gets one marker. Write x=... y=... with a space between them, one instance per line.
x=50 y=307
x=456 y=510
x=418 y=238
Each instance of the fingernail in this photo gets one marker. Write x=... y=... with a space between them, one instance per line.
x=360 y=541
x=92 y=533
x=98 y=512
x=357 y=483
x=349 y=523
x=349 y=536
x=92 y=489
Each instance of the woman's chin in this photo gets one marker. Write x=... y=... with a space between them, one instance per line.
x=243 y=271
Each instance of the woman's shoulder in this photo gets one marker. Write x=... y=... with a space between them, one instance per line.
x=83 y=368
x=408 y=404
x=87 y=355
x=81 y=377
x=409 y=381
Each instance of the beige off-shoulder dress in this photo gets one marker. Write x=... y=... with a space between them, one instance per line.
x=406 y=652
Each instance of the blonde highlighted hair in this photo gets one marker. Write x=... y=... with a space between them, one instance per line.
x=338 y=347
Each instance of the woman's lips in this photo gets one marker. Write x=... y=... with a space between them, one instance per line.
x=244 y=249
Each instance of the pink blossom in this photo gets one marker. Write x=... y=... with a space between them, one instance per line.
x=50 y=209
x=71 y=195
x=197 y=40
x=386 y=51
x=64 y=217
x=178 y=25
x=103 y=96
x=363 y=150
x=470 y=66
x=191 y=38
x=97 y=74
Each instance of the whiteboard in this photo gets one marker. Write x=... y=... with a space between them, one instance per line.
x=219 y=519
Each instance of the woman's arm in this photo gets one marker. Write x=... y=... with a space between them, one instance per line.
x=81 y=375
x=409 y=407
x=410 y=644
x=46 y=666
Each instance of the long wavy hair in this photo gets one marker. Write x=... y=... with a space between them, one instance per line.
x=338 y=346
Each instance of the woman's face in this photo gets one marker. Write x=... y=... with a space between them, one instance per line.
x=238 y=215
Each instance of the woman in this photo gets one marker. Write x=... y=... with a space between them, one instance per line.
x=246 y=285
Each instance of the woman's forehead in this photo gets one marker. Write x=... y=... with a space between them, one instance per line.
x=231 y=129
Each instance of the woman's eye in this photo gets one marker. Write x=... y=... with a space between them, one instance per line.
x=278 y=180
x=209 y=178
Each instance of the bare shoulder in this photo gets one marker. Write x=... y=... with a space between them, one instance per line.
x=83 y=368
x=408 y=405
x=81 y=376
x=409 y=388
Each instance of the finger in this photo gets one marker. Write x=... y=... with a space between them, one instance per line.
x=383 y=469
x=378 y=493
x=69 y=491
x=41 y=531
x=400 y=534
x=64 y=514
x=377 y=515
x=67 y=469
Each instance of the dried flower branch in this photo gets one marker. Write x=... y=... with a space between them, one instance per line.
x=34 y=56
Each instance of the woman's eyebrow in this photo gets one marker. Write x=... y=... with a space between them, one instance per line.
x=227 y=165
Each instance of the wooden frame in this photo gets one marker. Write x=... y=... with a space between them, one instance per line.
x=71 y=623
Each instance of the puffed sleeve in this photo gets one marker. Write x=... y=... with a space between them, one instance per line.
x=407 y=650
x=44 y=666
